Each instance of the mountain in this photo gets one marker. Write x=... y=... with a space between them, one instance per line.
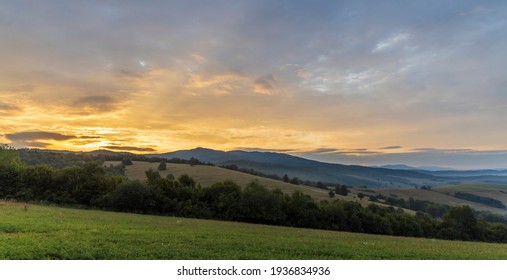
x=396 y=176
x=305 y=169
x=418 y=168
x=467 y=173
x=396 y=167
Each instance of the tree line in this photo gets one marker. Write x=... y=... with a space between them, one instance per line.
x=89 y=185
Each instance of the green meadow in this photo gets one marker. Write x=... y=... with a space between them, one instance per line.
x=44 y=232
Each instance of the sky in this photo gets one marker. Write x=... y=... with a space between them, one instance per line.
x=354 y=82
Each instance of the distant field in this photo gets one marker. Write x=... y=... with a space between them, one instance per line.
x=444 y=195
x=498 y=192
x=209 y=175
x=42 y=232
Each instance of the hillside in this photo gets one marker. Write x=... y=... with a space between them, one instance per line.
x=208 y=175
x=42 y=232
x=352 y=175
x=280 y=164
x=445 y=195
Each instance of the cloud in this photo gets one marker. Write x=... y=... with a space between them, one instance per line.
x=8 y=107
x=129 y=148
x=250 y=149
x=417 y=74
x=455 y=158
x=31 y=138
x=33 y=144
x=129 y=74
x=441 y=150
x=390 y=148
x=38 y=135
x=322 y=151
x=96 y=103
x=204 y=80
x=265 y=84
x=216 y=83
x=90 y=137
x=198 y=58
x=330 y=152
x=391 y=42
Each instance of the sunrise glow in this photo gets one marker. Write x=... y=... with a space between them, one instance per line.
x=340 y=81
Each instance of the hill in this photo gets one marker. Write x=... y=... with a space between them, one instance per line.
x=305 y=169
x=418 y=168
x=445 y=195
x=42 y=232
x=209 y=175
x=352 y=175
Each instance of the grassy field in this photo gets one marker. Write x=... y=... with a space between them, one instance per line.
x=444 y=195
x=42 y=232
x=208 y=175
x=498 y=192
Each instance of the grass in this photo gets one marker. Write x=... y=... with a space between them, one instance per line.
x=209 y=175
x=444 y=195
x=43 y=232
x=493 y=191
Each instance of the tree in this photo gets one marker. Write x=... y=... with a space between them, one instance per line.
x=132 y=196
x=259 y=205
x=126 y=161
x=9 y=156
x=169 y=177
x=331 y=194
x=461 y=223
x=294 y=181
x=153 y=177
x=224 y=199
x=186 y=180
x=193 y=161
x=341 y=190
x=320 y=185
x=302 y=211
x=162 y=166
x=360 y=195
x=286 y=178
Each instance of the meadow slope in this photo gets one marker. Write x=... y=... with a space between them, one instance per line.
x=43 y=232
x=209 y=175
x=445 y=195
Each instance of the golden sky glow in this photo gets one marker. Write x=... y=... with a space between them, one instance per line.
x=340 y=83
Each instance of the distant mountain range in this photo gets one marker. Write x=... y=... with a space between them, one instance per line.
x=407 y=167
x=443 y=171
x=374 y=177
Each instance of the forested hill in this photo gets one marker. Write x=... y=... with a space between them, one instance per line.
x=305 y=169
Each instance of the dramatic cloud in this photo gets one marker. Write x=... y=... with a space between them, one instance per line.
x=38 y=135
x=32 y=138
x=295 y=75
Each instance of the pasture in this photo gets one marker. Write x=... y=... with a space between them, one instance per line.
x=445 y=195
x=43 y=232
x=209 y=175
